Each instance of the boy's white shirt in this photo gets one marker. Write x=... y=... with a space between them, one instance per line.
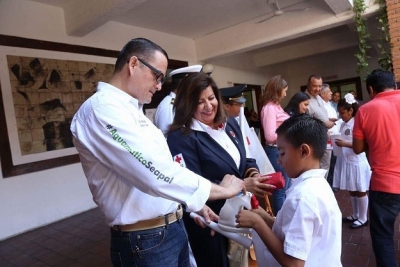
x=309 y=223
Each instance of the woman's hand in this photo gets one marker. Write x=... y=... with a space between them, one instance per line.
x=257 y=186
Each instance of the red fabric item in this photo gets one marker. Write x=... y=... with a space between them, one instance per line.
x=276 y=179
x=254 y=202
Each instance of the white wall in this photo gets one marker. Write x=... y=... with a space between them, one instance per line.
x=225 y=77
x=33 y=200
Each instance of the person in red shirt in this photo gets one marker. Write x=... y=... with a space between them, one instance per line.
x=377 y=130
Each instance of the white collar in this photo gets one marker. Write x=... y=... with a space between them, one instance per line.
x=306 y=175
x=312 y=173
x=118 y=93
x=201 y=127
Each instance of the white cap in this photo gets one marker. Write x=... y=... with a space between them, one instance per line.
x=186 y=70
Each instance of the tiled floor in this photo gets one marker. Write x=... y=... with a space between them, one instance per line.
x=83 y=240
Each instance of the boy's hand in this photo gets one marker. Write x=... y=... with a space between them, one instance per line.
x=248 y=219
x=263 y=214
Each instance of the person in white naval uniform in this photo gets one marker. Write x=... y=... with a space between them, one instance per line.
x=130 y=170
x=165 y=113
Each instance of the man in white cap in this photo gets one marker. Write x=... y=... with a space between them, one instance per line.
x=165 y=113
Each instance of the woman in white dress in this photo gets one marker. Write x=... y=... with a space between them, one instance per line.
x=352 y=172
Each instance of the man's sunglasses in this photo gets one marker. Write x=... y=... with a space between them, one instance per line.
x=159 y=75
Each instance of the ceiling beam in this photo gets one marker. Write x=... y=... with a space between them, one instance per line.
x=322 y=44
x=248 y=36
x=82 y=17
x=340 y=6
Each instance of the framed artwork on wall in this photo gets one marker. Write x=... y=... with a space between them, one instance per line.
x=40 y=93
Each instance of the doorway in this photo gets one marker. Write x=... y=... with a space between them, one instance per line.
x=252 y=93
x=344 y=86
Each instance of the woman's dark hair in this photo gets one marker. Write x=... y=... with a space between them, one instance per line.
x=187 y=100
x=342 y=103
x=140 y=47
x=292 y=107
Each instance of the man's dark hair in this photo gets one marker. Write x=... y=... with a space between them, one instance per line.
x=380 y=80
x=317 y=77
x=304 y=129
x=140 y=47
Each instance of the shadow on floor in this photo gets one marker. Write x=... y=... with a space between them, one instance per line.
x=83 y=240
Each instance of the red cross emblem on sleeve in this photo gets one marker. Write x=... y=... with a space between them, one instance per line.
x=179 y=159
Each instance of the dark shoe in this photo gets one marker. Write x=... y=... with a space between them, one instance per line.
x=359 y=224
x=349 y=219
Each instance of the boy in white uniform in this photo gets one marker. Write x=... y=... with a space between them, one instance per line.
x=307 y=230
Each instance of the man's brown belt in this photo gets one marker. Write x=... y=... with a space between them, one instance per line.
x=151 y=223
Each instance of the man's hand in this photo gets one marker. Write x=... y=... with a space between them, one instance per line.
x=208 y=216
x=233 y=184
x=229 y=187
x=256 y=186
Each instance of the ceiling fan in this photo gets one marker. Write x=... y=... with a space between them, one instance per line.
x=277 y=11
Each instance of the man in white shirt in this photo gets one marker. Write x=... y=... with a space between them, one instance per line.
x=336 y=96
x=165 y=114
x=326 y=95
x=317 y=109
x=130 y=170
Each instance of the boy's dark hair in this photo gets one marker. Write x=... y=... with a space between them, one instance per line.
x=380 y=80
x=304 y=129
